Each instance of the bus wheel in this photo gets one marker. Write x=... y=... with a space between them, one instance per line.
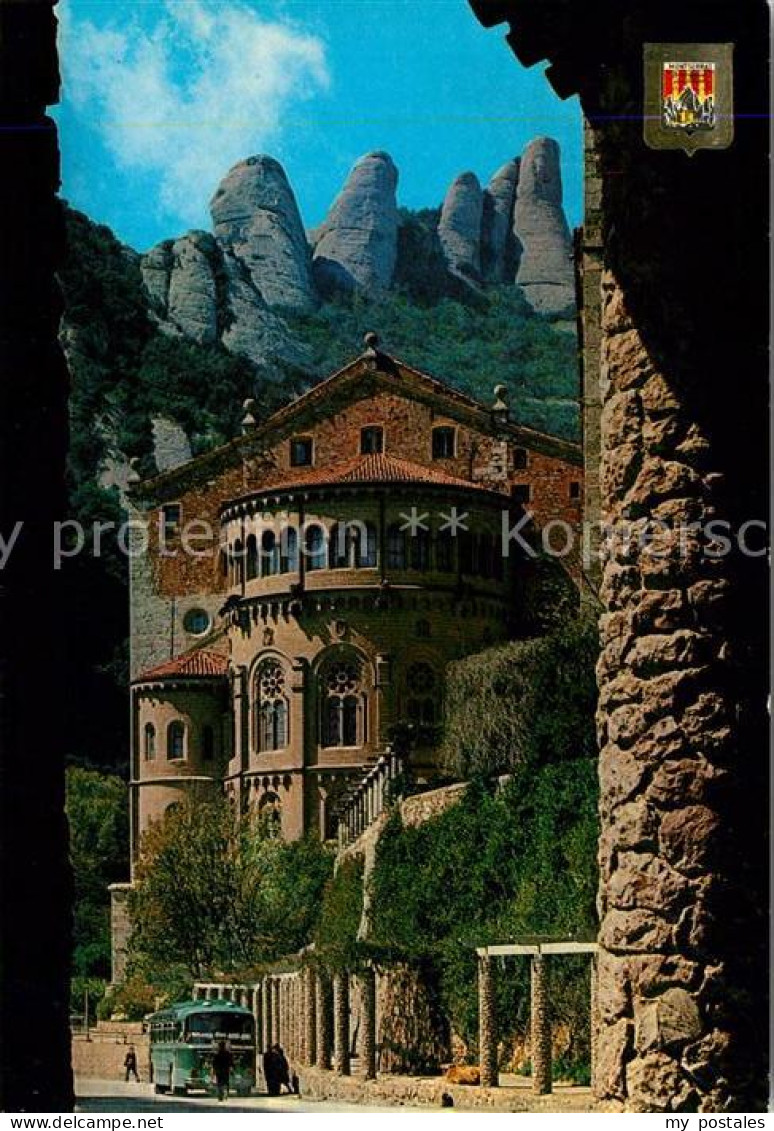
x=159 y=1089
x=183 y=1091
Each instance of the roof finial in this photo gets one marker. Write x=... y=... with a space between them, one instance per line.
x=250 y=418
x=371 y=339
x=500 y=408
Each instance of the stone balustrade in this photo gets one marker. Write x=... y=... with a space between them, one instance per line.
x=369 y=798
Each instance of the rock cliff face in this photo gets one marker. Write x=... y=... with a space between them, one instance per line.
x=545 y=271
x=500 y=251
x=214 y=288
x=255 y=215
x=459 y=228
x=191 y=293
x=356 y=246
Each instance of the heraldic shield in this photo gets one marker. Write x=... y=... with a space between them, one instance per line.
x=689 y=96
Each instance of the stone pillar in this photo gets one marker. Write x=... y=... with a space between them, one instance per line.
x=268 y=1010
x=276 y=1012
x=487 y=1022
x=341 y=1023
x=258 y=1017
x=309 y=1014
x=593 y=1016
x=367 y=980
x=540 y=1027
x=324 y=1022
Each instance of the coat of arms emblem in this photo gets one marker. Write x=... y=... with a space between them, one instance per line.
x=688 y=96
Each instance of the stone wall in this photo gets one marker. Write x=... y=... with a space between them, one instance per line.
x=100 y=1056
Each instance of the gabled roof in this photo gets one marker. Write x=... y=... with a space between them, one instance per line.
x=199 y=663
x=379 y=368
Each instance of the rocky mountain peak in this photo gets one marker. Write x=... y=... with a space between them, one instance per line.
x=459 y=228
x=545 y=271
x=499 y=251
x=255 y=214
x=356 y=246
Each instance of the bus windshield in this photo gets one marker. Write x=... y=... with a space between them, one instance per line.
x=219 y=1027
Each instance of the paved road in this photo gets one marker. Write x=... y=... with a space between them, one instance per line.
x=112 y=1095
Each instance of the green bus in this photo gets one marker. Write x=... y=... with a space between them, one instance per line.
x=184 y=1038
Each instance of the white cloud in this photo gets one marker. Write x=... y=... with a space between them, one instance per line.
x=184 y=97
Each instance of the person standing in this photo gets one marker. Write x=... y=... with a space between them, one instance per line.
x=130 y=1064
x=222 y=1063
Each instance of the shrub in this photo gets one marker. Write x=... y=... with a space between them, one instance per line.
x=336 y=937
x=498 y=865
x=527 y=702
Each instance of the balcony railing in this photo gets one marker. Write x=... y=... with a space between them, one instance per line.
x=370 y=798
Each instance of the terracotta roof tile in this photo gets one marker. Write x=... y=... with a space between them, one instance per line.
x=201 y=663
x=373 y=468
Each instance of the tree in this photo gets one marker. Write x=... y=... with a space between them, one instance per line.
x=99 y=844
x=215 y=892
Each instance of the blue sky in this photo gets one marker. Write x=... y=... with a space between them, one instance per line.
x=161 y=97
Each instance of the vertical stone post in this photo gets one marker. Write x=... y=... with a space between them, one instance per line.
x=593 y=1016
x=487 y=1022
x=324 y=1023
x=310 y=1016
x=341 y=1023
x=258 y=1019
x=276 y=990
x=540 y=1028
x=268 y=1009
x=367 y=980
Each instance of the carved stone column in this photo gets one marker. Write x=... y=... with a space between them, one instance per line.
x=341 y=1023
x=324 y=1022
x=310 y=1016
x=367 y=980
x=487 y=1022
x=540 y=1027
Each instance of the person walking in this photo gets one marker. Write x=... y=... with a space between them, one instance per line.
x=283 y=1070
x=130 y=1064
x=222 y=1063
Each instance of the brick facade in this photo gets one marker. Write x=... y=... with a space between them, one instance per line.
x=386 y=614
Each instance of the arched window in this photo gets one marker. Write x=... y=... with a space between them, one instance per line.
x=396 y=547
x=419 y=550
x=422 y=694
x=251 y=562
x=270 y=814
x=239 y=562
x=342 y=704
x=271 y=707
x=149 y=744
x=467 y=552
x=175 y=741
x=270 y=559
x=339 y=546
x=486 y=553
x=289 y=550
x=520 y=458
x=208 y=744
x=364 y=546
x=314 y=547
x=444 y=552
